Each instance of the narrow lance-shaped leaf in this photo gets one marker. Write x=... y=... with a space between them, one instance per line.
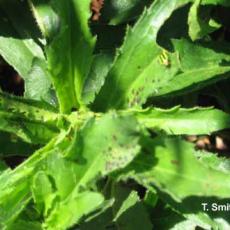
x=30 y=120
x=178 y=121
x=28 y=130
x=142 y=69
x=70 y=52
x=136 y=59
x=29 y=108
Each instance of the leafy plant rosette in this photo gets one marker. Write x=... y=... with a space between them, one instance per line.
x=103 y=155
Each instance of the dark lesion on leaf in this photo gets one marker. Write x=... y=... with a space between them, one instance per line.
x=174 y=162
x=96 y=6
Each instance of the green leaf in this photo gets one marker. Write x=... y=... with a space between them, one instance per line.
x=197 y=55
x=168 y=223
x=199 y=66
x=167 y=165
x=98 y=148
x=117 y=12
x=43 y=193
x=19 y=105
x=166 y=218
x=95 y=80
x=215 y=2
x=70 y=213
x=29 y=130
x=47 y=20
x=25 y=225
x=32 y=121
x=19 y=45
x=214 y=161
x=178 y=121
x=73 y=181
x=190 y=67
x=174 y=28
x=120 y=216
x=16 y=184
x=191 y=208
x=116 y=147
x=38 y=85
x=101 y=221
x=131 y=207
x=86 y=153
x=150 y=199
x=93 y=157
x=136 y=59
x=12 y=206
x=70 y=52
x=17 y=31
x=200 y=22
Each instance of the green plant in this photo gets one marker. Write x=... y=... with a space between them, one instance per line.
x=88 y=114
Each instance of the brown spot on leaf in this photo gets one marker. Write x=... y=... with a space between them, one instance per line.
x=69 y=137
x=114 y=137
x=175 y=162
x=110 y=149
